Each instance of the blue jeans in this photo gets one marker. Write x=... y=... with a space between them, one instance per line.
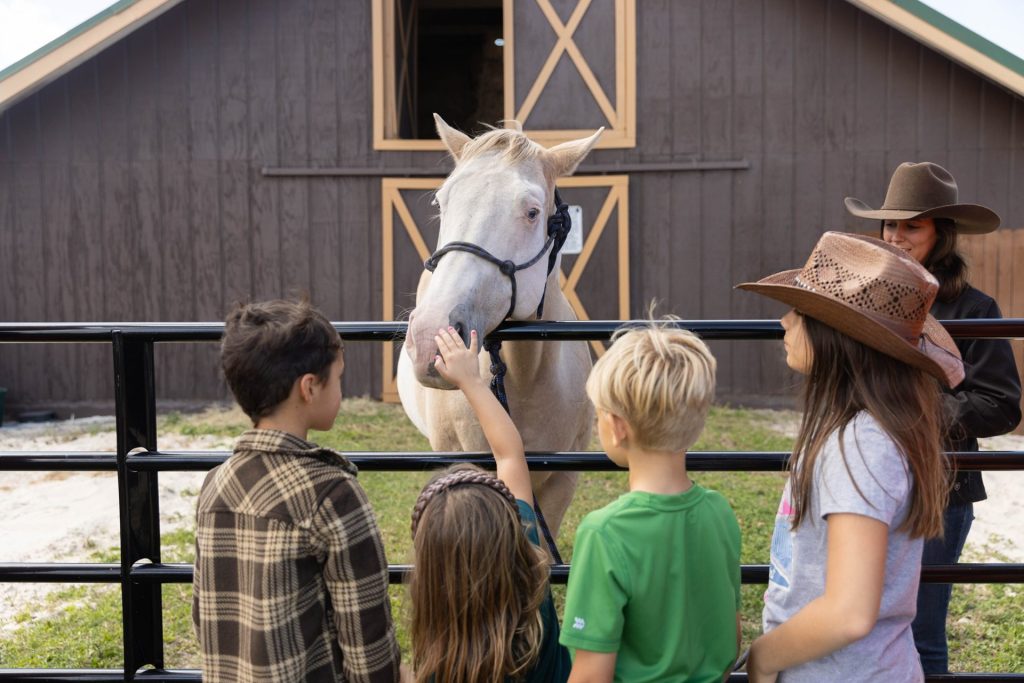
x=933 y=598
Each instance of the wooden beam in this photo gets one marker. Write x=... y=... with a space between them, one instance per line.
x=441 y=171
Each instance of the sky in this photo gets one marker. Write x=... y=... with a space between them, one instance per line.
x=27 y=25
x=1000 y=21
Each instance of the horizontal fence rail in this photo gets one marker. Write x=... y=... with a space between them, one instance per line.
x=138 y=462
x=411 y=461
x=589 y=330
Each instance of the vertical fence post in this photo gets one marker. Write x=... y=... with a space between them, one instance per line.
x=141 y=605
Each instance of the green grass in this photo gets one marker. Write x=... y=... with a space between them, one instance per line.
x=986 y=623
x=80 y=626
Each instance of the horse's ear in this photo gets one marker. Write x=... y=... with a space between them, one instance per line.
x=453 y=139
x=564 y=158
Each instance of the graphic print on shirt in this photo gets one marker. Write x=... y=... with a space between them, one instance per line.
x=779 y=572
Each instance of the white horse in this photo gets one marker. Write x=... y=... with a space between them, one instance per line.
x=498 y=199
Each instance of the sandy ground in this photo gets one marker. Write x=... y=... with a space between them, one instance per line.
x=64 y=516
x=998 y=530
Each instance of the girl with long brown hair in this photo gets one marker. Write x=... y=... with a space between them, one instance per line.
x=867 y=476
x=481 y=606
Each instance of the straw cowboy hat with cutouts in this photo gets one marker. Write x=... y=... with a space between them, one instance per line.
x=874 y=293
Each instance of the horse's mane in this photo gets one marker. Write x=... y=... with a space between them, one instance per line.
x=513 y=145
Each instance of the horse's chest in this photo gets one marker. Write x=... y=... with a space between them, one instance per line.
x=543 y=426
x=453 y=427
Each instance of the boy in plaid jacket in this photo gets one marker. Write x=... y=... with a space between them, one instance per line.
x=290 y=576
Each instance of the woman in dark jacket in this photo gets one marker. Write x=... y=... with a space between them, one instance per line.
x=921 y=215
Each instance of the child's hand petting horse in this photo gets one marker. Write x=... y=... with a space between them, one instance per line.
x=455 y=362
x=461 y=367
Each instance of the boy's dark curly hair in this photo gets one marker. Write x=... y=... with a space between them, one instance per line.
x=270 y=344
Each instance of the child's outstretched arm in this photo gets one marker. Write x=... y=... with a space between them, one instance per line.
x=461 y=366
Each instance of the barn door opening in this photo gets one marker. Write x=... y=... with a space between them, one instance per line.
x=447 y=59
x=459 y=61
x=403 y=78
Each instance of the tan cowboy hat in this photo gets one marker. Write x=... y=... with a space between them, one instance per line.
x=874 y=293
x=926 y=190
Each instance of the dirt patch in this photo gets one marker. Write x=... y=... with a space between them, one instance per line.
x=67 y=516
x=999 y=520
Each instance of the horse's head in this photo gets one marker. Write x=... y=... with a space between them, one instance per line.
x=498 y=199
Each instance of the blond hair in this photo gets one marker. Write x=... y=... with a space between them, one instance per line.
x=515 y=147
x=658 y=378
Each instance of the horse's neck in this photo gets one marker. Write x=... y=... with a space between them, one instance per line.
x=556 y=306
x=527 y=359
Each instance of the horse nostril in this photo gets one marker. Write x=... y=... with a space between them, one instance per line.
x=460 y=329
x=461 y=318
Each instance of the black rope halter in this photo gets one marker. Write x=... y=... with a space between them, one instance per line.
x=559 y=224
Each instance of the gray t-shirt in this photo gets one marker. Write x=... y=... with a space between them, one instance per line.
x=799 y=558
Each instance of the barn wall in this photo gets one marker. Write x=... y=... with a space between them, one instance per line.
x=824 y=101
x=132 y=188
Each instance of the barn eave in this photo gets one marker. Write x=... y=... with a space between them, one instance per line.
x=942 y=34
x=63 y=54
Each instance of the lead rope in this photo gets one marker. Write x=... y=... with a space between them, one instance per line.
x=498 y=370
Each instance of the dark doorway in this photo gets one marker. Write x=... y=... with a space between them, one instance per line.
x=459 y=67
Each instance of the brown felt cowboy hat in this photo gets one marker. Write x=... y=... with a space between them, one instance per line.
x=874 y=293
x=926 y=190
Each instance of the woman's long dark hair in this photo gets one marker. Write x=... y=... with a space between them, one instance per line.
x=945 y=261
x=847 y=377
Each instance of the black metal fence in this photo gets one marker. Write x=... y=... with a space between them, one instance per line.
x=138 y=462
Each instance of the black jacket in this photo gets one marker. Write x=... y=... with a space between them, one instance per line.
x=987 y=402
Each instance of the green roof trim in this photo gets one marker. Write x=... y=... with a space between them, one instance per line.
x=963 y=34
x=115 y=8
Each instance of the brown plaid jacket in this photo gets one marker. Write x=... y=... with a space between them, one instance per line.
x=290 y=576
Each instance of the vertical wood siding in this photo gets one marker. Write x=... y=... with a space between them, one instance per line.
x=132 y=187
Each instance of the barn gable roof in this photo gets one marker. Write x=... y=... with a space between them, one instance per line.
x=942 y=34
x=59 y=56
x=911 y=17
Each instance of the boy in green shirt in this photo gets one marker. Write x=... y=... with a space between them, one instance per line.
x=654 y=588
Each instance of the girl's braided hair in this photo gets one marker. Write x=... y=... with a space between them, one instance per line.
x=455 y=478
x=478 y=582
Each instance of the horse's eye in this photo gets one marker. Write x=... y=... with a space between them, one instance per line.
x=532 y=214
